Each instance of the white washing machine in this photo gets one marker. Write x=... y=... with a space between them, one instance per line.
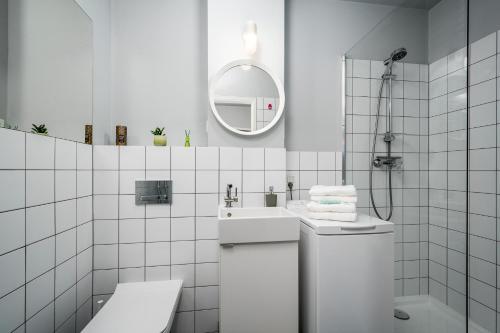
x=346 y=273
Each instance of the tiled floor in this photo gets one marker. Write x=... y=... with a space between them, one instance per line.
x=427 y=315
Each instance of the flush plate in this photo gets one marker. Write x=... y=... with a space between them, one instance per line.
x=153 y=192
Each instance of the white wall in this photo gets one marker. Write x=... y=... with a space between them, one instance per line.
x=50 y=66
x=226 y=20
x=99 y=12
x=318 y=33
x=158 y=69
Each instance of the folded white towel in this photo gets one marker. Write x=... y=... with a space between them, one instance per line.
x=338 y=208
x=341 y=217
x=331 y=198
x=340 y=191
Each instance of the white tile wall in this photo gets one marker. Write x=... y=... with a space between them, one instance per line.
x=410 y=123
x=45 y=224
x=140 y=243
x=447 y=208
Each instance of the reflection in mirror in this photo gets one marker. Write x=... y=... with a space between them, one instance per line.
x=46 y=60
x=246 y=98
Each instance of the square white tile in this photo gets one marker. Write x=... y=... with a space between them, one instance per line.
x=207 y=158
x=40 y=152
x=40 y=257
x=105 y=256
x=105 y=231
x=106 y=182
x=39 y=293
x=158 y=254
x=65 y=184
x=83 y=156
x=253 y=158
x=230 y=158
x=308 y=160
x=39 y=187
x=84 y=210
x=105 y=157
x=65 y=276
x=158 y=230
x=157 y=158
x=183 y=205
x=39 y=222
x=183 y=181
x=65 y=214
x=253 y=181
x=83 y=183
x=182 y=252
x=65 y=154
x=12 y=230
x=65 y=245
x=131 y=230
x=12 y=149
x=106 y=206
x=206 y=204
x=207 y=274
x=207 y=251
x=13 y=263
x=131 y=255
x=275 y=159
x=84 y=238
x=132 y=158
x=292 y=160
x=183 y=158
x=207 y=228
x=207 y=181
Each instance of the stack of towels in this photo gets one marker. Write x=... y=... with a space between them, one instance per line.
x=337 y=203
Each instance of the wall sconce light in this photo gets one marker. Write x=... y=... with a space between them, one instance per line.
x=250 y=38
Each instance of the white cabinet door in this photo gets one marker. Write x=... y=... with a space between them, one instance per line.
x=259 y=288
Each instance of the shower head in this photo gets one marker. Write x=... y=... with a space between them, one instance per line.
x=396 y=55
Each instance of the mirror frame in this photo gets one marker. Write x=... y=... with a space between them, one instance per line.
x=277 y=82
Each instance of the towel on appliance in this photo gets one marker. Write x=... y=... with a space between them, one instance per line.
x=341 y=217
x=339 y=191
x=337 y=208
x=332 y=200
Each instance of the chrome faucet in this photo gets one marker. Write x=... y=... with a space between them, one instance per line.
x=229 y=199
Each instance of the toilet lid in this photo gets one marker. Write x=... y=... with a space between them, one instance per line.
x=138 y=307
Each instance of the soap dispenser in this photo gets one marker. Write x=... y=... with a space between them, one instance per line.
x=271 y=198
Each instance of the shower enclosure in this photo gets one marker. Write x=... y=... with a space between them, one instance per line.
x=420 y=100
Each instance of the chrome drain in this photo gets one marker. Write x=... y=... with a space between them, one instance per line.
x=400 y=314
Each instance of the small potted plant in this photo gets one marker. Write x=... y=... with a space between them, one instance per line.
x=159 y=137
x=40 y=129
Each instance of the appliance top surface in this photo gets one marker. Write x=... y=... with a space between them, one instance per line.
x=364 y=224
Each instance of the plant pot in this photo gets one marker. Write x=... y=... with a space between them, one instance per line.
x=160 y=140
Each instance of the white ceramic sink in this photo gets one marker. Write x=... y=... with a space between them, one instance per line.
x=257 y=225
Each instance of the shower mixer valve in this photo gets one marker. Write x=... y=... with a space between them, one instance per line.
x=390 y=162
x=389 y=137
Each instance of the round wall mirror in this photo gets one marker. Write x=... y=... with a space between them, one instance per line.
x=246 y=98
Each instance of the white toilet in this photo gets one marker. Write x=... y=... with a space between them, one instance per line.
x=146 y=307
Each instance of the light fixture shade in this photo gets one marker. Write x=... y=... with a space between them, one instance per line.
x=250 y=38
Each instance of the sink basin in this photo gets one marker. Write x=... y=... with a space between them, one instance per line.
x=257 y=225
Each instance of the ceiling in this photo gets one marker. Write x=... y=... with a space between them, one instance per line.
x=420 y=4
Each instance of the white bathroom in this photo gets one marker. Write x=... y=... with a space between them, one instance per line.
x=244 y=166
